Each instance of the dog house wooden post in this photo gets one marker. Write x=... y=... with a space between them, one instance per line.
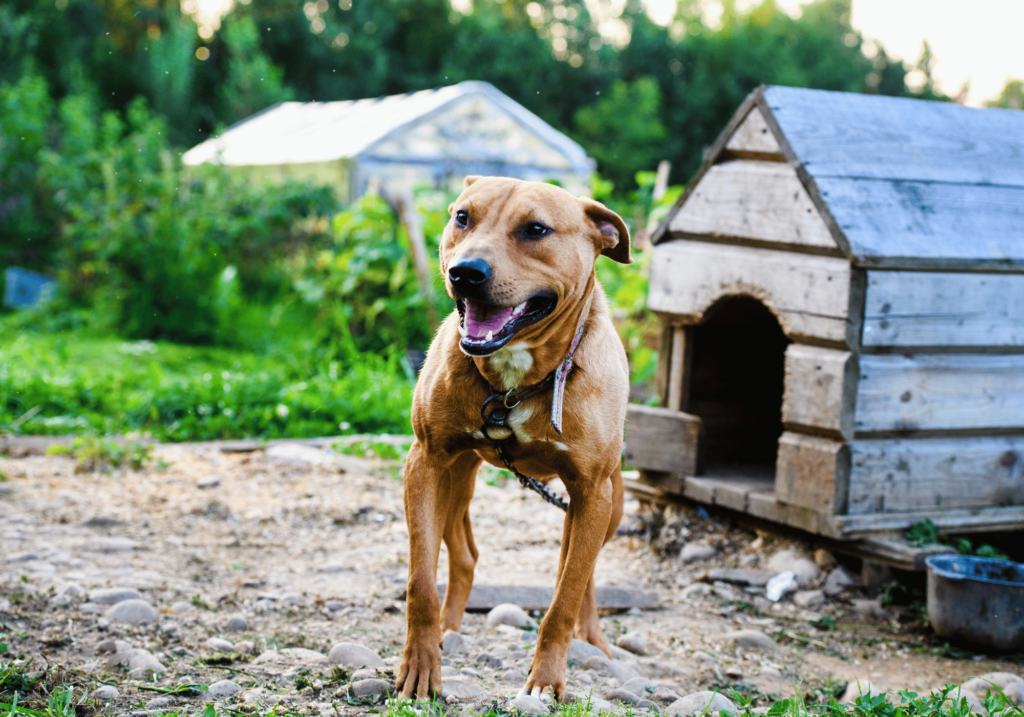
x=842 y=286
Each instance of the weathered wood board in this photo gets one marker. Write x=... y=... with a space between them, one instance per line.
x=661 y=439
x=757 y=200
x=911 y=308
x=812 y=472
x=485 y=597
x=810 y=295
x=940 y=392
x=959 y=520
x=935 y=474
x=753 y=138
x=821 y=389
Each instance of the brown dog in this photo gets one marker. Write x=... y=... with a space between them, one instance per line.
x=519 y=259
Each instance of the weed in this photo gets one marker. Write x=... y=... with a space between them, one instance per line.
x=94 y=453
x=927 y=533
x=198 y=601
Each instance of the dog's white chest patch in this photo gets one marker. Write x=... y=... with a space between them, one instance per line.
x=512 y=362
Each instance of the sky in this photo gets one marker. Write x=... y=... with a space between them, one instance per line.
x=977 y=40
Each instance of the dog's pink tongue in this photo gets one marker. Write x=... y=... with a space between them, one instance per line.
x=481 y=318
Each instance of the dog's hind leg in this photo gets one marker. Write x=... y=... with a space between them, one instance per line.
x=458 y=537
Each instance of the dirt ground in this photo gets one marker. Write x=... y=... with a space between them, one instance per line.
x=295 y=547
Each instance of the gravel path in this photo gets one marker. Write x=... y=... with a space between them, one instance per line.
x=278 y=576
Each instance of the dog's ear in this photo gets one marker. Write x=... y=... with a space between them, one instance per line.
x=614 y=236
x=468 y=181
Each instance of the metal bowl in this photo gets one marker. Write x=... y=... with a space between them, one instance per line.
x=977 y=600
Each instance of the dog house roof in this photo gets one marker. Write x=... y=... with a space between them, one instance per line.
x=471 y=121
x=899 y=183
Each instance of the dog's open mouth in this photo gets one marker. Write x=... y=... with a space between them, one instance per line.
x=486 y=328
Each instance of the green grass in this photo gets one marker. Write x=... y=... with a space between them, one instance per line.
x=71 y=383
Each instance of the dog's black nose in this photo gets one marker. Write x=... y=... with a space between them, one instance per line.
x=469 y=273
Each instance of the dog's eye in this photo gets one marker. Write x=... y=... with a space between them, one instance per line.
x=535 y=230
x=461 y=218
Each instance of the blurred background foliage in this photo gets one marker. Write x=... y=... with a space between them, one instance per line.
x=275 y=310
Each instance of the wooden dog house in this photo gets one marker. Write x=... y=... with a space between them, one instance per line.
x=842 y=293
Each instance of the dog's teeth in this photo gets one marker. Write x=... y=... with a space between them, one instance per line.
x=490 y=336
x=462 y=331
x=519 y=309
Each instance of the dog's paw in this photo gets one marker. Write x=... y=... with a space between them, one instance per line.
x=420 y=673
x=541 y=678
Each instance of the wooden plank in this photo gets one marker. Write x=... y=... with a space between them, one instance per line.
x=677 y=369
x=812 y=472
x=854 y=135
x=922 y=225
x=753 y=199
x=940 y=392
x=910 y=308
x=935 y=474
x=660 y=439
x=753 y=138
x=810 y=295
x=968 y=520
x=734 y=493
x=485 y=597
x=821 y=390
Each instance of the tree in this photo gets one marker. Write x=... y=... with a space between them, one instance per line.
x=1011 y=98
x=252 y=82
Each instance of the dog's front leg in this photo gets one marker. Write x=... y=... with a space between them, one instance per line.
x=426 y=495
x=586 y=523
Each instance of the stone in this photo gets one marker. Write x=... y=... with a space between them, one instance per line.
x=741 y=576
x=291 y=655
x=137 y=661
x=870 y=608
x=246 y=647
x=106 y=647
x=112 y=545
x=809 y=598
x=454 y=643
x=334 y=566
x=292 y=599
x=609 y=668
x=216 y=643
x=1011 y=685
x=639 y=686
x=181 y=606
x=648 y=705
x=461 y=689
x=751 y=640
x=106 y=692
x=697 y=703
x=824 y=559
x=263 y=606
x=805 y=569
x=160 y=703
x=24 y=557
x=530 y=705
x=73 y=590
x=856 y=688
x=102 y=521
x=695 y=552
x=236 y=623
x=510 y=614
x=351 y=655
x=207 y=482
x=513 y=676
x=486 y=658
x=664 y=695
x=369 y=688
x=367 y=674
x=838 y=581
x=223 y=688
x=635 y=642
x=620 y=694
x=579 y=651
x=132 y=612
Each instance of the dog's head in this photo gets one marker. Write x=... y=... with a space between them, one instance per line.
x=515 y=253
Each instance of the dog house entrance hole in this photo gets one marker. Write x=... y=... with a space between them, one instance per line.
x=736 y=386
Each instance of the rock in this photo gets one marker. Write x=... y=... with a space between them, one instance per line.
x=369 y=688
x=454 y=644
x=367 y=674
x=102 y=521
x=73 y=590
x=223 y=688
x=351 y=655
x=609 y=668
x=112 y=545
x=824 y=559
x=246 y=647
x=486 y=658
x=1010 y=684
x=181 y=606
x=664 y=695
x=24 y=557
x=136 y=660
x=292 y=599
x=639 y=686
x=509 y=614
x=648 y=705
x=635 y=642
x=208 y=482
x=809 y=598
x=708 y=703
x=236 y=623
x=856 y=688
x=805 y=569
x=513 y=676
x=838 y=582
x=751 y=640
x=132 y=612
x=263 y=606
x=870 y=608
x=527 y=704
x=293 y=655
x=216 y=643
x=461 y=689
x=160 y=703
x=772 y=672
x=333 y=566
x=107 y=647
x=621 y=695
x=694 y=552
x=106 y=692
x=741 y=576
x=579 y=651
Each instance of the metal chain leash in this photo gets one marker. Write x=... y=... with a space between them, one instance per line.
x=528 y=482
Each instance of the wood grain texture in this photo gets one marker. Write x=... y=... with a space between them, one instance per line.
x=483 y=598
x=935 y=474
x=821 y=390
x=753 y=137
x=661 y=439
x=908 y=308
x=753 y=199
x=940 y=392
x=854 y=135
x=960 y=520
x=810 y=295
x=812 y=472
x=927 y=225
